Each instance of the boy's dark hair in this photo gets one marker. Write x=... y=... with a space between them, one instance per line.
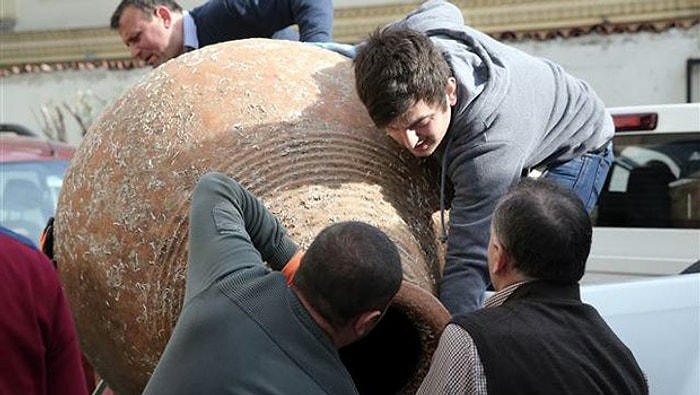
x=546 y=230
x=146 y=6
x=395 y=68
x=349 y=268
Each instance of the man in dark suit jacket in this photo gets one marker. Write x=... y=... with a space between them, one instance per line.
x=158 y=30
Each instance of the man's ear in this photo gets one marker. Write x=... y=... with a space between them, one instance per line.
x=502 y=261
x=365 y=322
x=163 y=13
x=451 y=91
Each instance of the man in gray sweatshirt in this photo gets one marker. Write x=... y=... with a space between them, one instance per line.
x=245 y=328
x=490 y=114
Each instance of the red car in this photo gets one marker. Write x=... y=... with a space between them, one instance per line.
x=31 y=175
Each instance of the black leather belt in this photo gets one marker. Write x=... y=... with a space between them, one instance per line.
x=604 y=147
x=538 y=170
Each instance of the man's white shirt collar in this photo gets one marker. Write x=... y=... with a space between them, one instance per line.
x=190 y=31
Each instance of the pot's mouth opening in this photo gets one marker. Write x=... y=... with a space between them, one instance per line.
x=396 y=354
x=388 y=358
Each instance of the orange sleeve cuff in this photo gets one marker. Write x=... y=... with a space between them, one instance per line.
x=42 y=240
x=292 y=265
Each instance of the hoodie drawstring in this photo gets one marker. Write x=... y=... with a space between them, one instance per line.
x=443 y=171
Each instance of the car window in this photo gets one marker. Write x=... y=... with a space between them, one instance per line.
x=654 y=182
x=29 y=194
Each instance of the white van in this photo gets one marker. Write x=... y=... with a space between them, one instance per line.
x=659 y=320
x=647 y=228
x=647 y=222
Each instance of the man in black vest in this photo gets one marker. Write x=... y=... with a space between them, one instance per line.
x=534 y=335
x=158 y=30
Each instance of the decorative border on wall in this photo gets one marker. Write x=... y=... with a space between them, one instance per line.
x=497 y=17
x=23 y=52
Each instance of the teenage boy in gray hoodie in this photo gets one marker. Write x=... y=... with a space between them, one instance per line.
x=490 y=114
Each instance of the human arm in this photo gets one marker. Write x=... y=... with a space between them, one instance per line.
x=289 y=33
x=347 y=50
x=230 y=230
x=455 y=367
x=481 y=173
x=314 y=18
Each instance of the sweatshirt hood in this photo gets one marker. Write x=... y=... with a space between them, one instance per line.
x=433 y=13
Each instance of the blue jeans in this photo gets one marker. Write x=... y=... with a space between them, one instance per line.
x=584 y=175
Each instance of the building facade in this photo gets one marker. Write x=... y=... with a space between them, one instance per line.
x=56 y=52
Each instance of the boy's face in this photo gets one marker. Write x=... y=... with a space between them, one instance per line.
x=422 y=128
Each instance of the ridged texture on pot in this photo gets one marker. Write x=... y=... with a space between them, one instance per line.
x=279 y=116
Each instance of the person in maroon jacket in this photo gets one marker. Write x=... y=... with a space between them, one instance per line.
x=39 y=343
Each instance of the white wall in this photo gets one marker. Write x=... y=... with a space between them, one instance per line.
x=627 y=69
x=23 y=95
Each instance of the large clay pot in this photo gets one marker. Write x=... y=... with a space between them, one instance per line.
x=283 y=119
